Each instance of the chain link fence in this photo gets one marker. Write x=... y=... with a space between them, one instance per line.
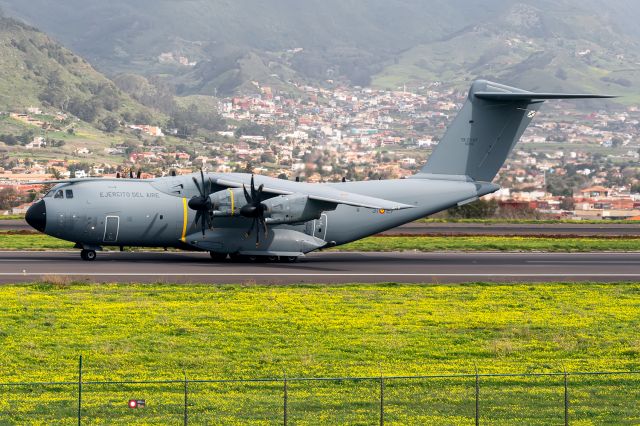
x=528 y=398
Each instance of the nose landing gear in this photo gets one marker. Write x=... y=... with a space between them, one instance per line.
x=88 y=255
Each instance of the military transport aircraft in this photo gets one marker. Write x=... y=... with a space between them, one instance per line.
x=254 y=218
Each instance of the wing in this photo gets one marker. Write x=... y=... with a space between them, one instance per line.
x=323 y=193
x=70 y=181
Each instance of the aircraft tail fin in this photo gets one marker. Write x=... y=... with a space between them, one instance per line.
x=484 y=132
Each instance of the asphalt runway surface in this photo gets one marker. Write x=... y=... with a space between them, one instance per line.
x=560 y=229
x=323 y=267
x=548 y=229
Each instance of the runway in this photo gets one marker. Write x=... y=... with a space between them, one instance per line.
x=324 y=268
x=438 y=229
x=543 y=229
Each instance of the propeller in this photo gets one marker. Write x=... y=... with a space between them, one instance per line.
x=202 y=203
x=254 y=209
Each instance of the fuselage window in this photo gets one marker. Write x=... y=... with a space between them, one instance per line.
x=69 y=193
x=59 y=194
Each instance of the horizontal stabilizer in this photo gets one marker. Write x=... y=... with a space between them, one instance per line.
x=493 y=96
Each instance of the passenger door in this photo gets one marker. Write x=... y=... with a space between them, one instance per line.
x=111 y=229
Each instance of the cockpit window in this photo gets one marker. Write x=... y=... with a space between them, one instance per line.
x=69 y=193
x=59 y=194
x=50 y=193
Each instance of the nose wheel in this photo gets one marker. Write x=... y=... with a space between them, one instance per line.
x=88 y=255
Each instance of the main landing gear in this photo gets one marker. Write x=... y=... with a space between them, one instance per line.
x=244 y=258
x=88 y=255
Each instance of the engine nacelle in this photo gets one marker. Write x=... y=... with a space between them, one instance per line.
x=228 y=202
x=295 y=208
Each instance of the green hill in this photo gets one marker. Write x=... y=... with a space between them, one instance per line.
x=38 y=71
x=529 y=47
x=220 y=46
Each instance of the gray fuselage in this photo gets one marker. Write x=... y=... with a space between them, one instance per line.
x=154 y=212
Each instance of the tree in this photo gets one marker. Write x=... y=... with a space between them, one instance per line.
x=479 y=209
x=110 y=124
x=8 y=198
x=85 y=110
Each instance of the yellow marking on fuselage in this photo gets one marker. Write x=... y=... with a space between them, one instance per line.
x=185 y=215
x=233 y=202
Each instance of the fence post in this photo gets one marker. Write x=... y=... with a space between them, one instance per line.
x=286 y=400
x=566 y=398
x=80 y=391
x=381 y=400
x=477 y=397
x=186 y=400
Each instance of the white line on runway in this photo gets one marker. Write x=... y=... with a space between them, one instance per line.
x=590 y=262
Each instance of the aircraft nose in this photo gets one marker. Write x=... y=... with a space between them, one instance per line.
x=36 y=216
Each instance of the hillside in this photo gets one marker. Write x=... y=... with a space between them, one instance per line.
x=220 y=46
x=528 y=47
x=234 y=41
x=38 y=71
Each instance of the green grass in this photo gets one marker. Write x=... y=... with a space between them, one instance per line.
x=157 y=331
x=12 y=217
x=32 y=241
x=531 y=221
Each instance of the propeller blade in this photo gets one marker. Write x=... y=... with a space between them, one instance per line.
x=203 y=183
x=256 y=220
x=204 y=226
x=246 y=195
x=264 y=225
x=198 y=214
x=198 y=186
x=259 y=194
x=253 y=222
x=253 y=190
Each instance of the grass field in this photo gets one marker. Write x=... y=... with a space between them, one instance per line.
x=491 y=221
x=157 y=331
x=12 y=217
x=32 y=241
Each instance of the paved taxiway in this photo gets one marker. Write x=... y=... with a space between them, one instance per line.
x=325 y=267
x=559 y=229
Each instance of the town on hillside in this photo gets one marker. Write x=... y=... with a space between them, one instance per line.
x=569 y=164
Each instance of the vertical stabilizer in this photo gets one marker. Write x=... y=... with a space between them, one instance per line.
x=484 y=132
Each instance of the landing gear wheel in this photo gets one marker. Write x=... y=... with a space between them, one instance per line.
x=244 y=258
x=88 y=255
x=218 y=257
x=289 y=259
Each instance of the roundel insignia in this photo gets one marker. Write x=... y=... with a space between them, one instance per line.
x=381 y=211
x=531 y=114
